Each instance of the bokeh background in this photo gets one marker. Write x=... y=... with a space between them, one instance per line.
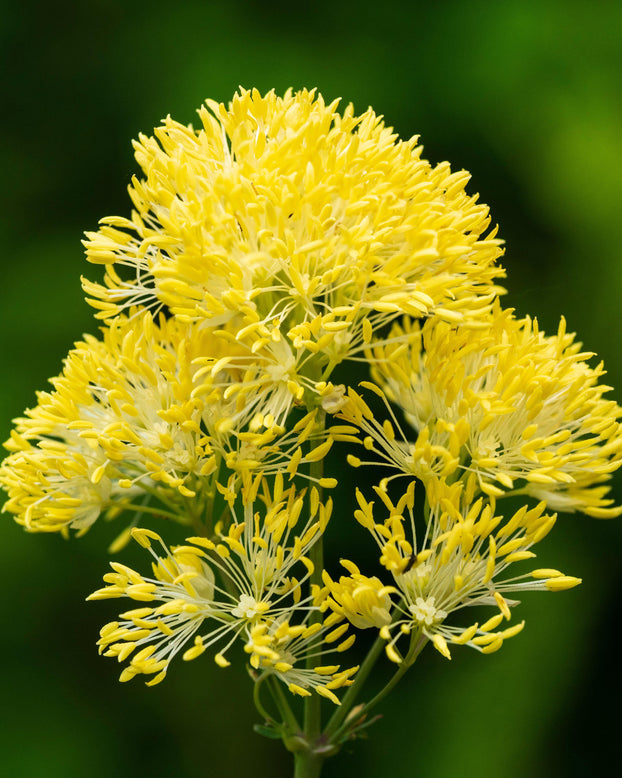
x=525 y=94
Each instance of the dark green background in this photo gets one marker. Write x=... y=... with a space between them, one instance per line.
x=524 y=94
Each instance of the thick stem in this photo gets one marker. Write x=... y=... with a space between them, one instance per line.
x=307 y=764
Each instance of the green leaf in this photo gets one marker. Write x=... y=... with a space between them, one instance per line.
x=267 y=731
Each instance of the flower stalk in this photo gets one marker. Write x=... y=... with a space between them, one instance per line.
x=313 y=708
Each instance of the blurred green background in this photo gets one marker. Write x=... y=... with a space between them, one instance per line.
x=524 y=94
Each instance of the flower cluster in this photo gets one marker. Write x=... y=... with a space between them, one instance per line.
x=304 y=229
x=153 y=408
x=257 y=593
x=279 y=240
x=522 y=411
x=503 y=411
x=457 y=564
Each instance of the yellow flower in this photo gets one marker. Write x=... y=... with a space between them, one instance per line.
x=364 y=601
x=152 y=406
x=52 y=486
x=298 y=226
x=458 y=562
x=279 y=648
x=227 y=585
x=522 y=411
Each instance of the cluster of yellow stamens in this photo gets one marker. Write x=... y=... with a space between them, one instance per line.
x=298 y=226
x=457 y=562
x=251 y=599
x=138 y=412
x=521 y=410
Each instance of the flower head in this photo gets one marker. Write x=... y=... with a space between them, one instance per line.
x=364 y=601
x=522 y=411
x=459 y=562
x=151 y=406
x=295 y=223
x=220 y=588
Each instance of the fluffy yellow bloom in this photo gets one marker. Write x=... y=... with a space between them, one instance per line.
x=226 y=585
x=151 y=406
x=522 y=411
x=459 y=561
x=297 y=225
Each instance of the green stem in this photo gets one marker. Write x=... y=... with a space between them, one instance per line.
x=210 y=501
x=337 y=725
x=350 y=696
x=313 y=712
x=160 y=495
x=307 y=764
x=418 y=641
x=149 y=509
x=283 y=705
x=258 y=704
